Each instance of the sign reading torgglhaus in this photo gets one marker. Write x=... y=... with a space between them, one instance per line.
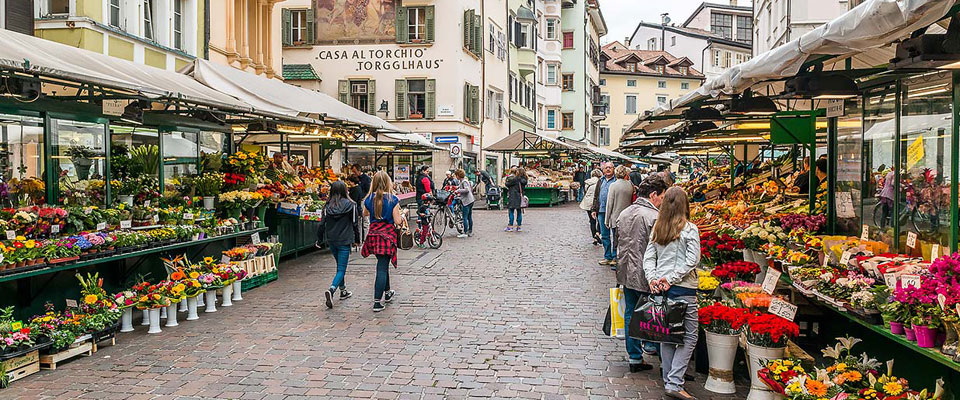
x=382 y=59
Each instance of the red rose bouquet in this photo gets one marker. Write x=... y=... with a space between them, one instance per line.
x=721 y=319
x=768 y=330
x=716 y=249
x=736 y=270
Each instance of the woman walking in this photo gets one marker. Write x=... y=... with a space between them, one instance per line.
x=515 y=184
x=465 y=190
x=383 y=208
x=669 y=263
x=341 y=229
x=590 y=186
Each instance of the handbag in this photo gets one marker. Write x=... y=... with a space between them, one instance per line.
x=613 y=320
x=659 y=319
x=524 y=200
x=404 y=238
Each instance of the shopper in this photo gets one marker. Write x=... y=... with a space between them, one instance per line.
x=449 y=181
x=465 y=190
x=633 y=234
x=424 y=184
x=341 y=229
x=669 y=263
x=599 y=210
x=619 y=197
x=802 y=180
x=383 y=208
x=580 y=177
x=515 y=184
x=362 y=177
x=886 y=197
x=587 y=203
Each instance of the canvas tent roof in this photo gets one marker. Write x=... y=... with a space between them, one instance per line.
x=523 y=140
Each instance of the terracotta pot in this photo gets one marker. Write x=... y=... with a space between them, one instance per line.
x=21 y=264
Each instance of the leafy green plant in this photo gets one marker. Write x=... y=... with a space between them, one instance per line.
x=120 y=160
x=210 y=162
x=145 y=159
x=209 y=184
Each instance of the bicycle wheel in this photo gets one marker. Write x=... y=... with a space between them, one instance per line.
x=458 y=218
x=435 y=240
x=440 y=220
x=878 y=219
x=924 y=222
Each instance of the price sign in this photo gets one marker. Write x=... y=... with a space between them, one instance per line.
x=826 y=260
x=865 y=236
x=146 y=203
x=71 y=303
x=890 y=279
x=156 y=218
x=101 y=226
x=845 y=258
x=934 y=252
x=224 y=260
x=912 y=240
x=188 y=216
x=55 y=228
x=845 y=207
x=16 y=326
x=783 y=309
x=770 y=281
x=126 y=224
x=11 y=235
x=255 y=238
x=910 y=280
x=942 y=300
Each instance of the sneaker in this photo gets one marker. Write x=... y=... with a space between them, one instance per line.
x=508 y=229
x=345 y=294
x=328 y=294
x=518 y=229
x=462 y=235
x=378 y=306
x=604 y=262
x=469 y=234
x=388 y=296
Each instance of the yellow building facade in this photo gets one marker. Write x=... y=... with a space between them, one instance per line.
x=246 y=34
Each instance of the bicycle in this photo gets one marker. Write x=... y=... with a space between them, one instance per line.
x=910 y=211
x=425 y=236
x=448 y=213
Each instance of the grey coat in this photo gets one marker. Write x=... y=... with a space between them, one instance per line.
x=677 y=261
x=618 y=198
x=589 y=192
x=633 y=234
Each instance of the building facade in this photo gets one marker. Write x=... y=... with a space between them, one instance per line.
x=246 y=35
x=582 y=25
x=524 y=35
x=17 y=16
x=714 y=37
x=496 y=84
x=166 y=34
x=549 y=61
x=777 y=22
x=632 y=81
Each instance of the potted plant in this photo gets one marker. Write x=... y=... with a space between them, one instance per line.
x=208 y=186
x=61 y=251
x=722 y=325
x=767 y=336
x=81 y=156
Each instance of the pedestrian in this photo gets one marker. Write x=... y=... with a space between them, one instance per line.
x=599 y=210
x=580 y=177
x=515 y=184
x=587 y=203
x=636 y=178
x=363 y=178
x=465 y=190
x=634 y=226
x=669 y=263
x=383 y=208
x=449 y=182
x=341 y=229
x=619 y=197
x=423 y=184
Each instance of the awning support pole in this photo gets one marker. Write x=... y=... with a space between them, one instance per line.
x=955 y=165
x=832 y=149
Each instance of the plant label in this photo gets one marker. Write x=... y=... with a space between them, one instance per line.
x=126 y=224
x=71 y=303
x=1 y=257
x=188 y=216
x=87 y=211
x=224 y=260
x=865 y=236
x=146 y=203
x=55 y=228
x=16 y=325
x=782 y=309
x=910 y=280
x=11 y=235
x=958 y=309
x=934 y=252
x=845 y=258
x=770 y=281
x=911 y=240
x=255 y=238
x=942 y=300
x=891 y=280
x=101 y=226
x=156 y=218
x=826 y=260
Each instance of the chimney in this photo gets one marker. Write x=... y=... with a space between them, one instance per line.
x=626 y=41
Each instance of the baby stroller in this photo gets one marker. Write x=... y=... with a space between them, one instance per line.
x=493 y=197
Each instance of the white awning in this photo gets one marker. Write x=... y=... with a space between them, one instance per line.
x=34 y=55
x=521 y=140
x=275 y=96
x=610 y=154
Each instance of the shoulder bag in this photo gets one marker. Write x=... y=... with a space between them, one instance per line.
x=659 y=319
x=524 y=200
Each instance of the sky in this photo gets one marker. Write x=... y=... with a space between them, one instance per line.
x=622 y=16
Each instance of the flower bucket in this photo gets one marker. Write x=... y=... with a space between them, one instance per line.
x=237 y=286
x=172 y=315
x=227 y=301
x=183 y=306
x=208 y=202
x=210 y=301
x=952 y=339
x=911 y=334
x=126 y=320
x=262 y=212
x=192 y=308
x=757 y=356
x=926 y=336
x=146 y=318
x=126 y=199
x=154 y=321
x=721 y=350
x=896 y=328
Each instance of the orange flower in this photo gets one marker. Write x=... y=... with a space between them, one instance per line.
x=177 y=275
x=816 y=388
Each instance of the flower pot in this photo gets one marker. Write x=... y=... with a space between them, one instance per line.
x=757 y=356
x=200 y=302
x=163 y=312
x=192 y=308
x=183 y=306
x=172 y=315
x=262 y=212
x=926 y=336
x=146 y=318
x=126 y=199
x=226 y=301
x=208 y=202
x=721 y=350
x=236 y=291
x=126 y=320
x=210 y=301
x=896 y=328
x=154 y=320
x=911 y=334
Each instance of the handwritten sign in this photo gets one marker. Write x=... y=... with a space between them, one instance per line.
x=71 y=303
x=871 y=269
x=224 y=260
x=910 y=280
x=11 y=235
x=826 y=260
x=156 y=218
x=845 y=258
x=101 y=226
x=911 y=240
x=188 y=216
x=915 y=152
x=146 y=203
x=934 y=252
x=890 y=279
x=865 y=236
x=255 y=238
x=771 y=280
x=55 y=228
x=845 y=205
x=782 y=309
x=126 y=224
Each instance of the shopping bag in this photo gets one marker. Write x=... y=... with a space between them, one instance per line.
x=659 y=319
x=615 y=314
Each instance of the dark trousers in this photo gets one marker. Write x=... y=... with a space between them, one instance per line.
x=594 y=227
x=382 y=284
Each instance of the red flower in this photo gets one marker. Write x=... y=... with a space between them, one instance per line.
x=25 y=331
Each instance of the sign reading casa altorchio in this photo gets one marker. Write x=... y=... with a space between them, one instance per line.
x=383 y=59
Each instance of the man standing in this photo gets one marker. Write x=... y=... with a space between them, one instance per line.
x=635 y=224
x=599 y=210
x=580 y=177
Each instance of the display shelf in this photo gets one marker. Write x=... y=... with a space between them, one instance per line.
x=138 y=253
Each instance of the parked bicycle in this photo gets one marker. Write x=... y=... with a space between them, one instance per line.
x=446 y=212
x=921 y=219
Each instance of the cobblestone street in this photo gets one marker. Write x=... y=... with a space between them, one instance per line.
x=505 y=315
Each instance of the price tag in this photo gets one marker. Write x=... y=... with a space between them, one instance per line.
x=255 y=238
x=126 y=224
x=783 y=309
x=101 y=226
x=55 y=228
x=771 y=280
x=156 y=218
x=826 y=260
x=16 y=325
x=146 y=203
x=890 y=279
x=71 y=303
x=11 y=235
x=942 y=301
x=865 y=236
x=934 y=252
x=224 y=260
x=911 y=240
x=910 y=280
x=188 y=216
x=845 y=258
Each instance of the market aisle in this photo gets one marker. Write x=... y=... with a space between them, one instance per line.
x=510 y=315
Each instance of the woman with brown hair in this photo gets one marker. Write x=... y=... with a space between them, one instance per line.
x=669 y=264
x=383 y=208
x=515 y=184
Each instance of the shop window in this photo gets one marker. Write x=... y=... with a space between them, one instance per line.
x=566 y=120
x=879 y=133
x=135 y=163
x=416 y=98
x=79 y=155
x=21 y=161
x=567 y=82
x=180 y=159
x=849 y=163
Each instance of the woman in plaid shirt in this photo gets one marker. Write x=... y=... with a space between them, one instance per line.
x=383 y=208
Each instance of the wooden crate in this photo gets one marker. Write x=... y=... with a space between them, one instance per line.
x=50 y=361
x=21 y=367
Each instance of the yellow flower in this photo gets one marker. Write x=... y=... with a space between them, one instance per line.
x=20 y=238
x=892 y=388
x=90 y=299
x=208 y=260
x=841 y=367
x=30 y=244
x=194 y=275
x=179 y=288
x=241 y=156
x=156 y=296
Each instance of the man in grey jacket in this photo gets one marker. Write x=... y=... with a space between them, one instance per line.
x=635 y=224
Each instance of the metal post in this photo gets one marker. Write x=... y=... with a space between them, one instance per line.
x=955 y=165
x=107 y=171
x=162 y=163
x=895 y=219
x=51 y=166
x=832 y=155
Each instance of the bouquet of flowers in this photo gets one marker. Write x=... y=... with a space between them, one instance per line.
x=706 y=281
x=742 y=270
x=809 y=223
x=760 y=233
x=716 y=249
x=721 y=319
x=768 y=330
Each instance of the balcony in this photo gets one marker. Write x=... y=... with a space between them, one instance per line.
x=526 y=61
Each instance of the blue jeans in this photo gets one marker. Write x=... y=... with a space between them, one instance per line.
x=580 y=193
x=382 y=284
x=342 y=255
x=634 y=346
x=519 y=216
x=468 y=218
x=609 y=253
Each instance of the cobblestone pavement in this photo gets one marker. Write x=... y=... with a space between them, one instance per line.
x=505 y=315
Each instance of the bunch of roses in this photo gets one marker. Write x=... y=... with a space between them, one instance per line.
x=768 y=330
x=717 y=249
x=809 y=223
x=742 y=270
x=721 y=319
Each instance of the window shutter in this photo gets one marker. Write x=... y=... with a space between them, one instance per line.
x=475 y=101
x=478 y=35
x=468 y=29
x=466 y=104
x=372 y=97
x=343 y=89
x=401 y=27
x=431 y=111
x=310 y=30
x=287 y=29
x=402 y=111
x=430 y=17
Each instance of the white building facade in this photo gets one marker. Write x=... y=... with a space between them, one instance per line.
x=777 y=22
x=549 y=60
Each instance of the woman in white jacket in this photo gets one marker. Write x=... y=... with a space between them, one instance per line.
x=587 y=203
x=669 y=264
